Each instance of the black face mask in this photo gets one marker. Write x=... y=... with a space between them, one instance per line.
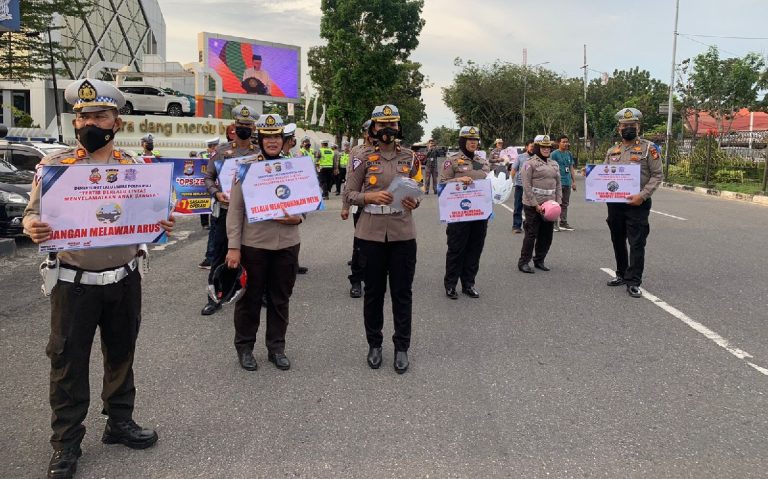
x=386 y=135
x=94 y=138
x=149 y=146
x=629 y=133
x=243 y=132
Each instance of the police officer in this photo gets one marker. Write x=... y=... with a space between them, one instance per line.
x=356 y=275
x=327 y=161
x=466 y=239
x=494 y=158
x=210 y=147
x=95 y=288
x=205 y=220
x=541 y=182
x=269 y=252
x=148 y=148
x=306 y=147
x=239 y=147
x=386 y=237
x=628 y=221
x=431 y=167
x=341 y=176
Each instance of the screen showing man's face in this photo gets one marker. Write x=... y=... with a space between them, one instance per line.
x=257 y=64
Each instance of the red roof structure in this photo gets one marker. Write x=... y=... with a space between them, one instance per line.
x=740 y=122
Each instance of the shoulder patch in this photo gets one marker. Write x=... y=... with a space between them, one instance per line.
x=355 y=163
x=447 y=164
x=654 y=153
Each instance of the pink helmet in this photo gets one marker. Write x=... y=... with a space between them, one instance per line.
x=551 y=210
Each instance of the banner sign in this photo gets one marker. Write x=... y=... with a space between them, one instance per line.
x=10 y=16
x=190 y=196
x=270 y=186
x=612 y=183
x=226 y=170
x=459 y=202
x=99 y=205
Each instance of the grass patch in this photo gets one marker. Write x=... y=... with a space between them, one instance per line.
x=749 y=187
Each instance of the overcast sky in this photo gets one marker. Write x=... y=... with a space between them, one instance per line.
x=618 y=34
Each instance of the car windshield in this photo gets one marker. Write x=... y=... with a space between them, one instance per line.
x=6 y=167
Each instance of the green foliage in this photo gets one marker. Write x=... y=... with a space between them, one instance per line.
x=445 y=136
x=26 y=53
x=365 y=61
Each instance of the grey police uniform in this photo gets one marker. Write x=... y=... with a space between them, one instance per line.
x=629 y=224
x=466 y=239
x=541 y=182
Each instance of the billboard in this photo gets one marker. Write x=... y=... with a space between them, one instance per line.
x=10 y=19
x=253 y=69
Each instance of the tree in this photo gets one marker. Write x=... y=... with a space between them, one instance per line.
x=406 y=95
x=722 y=87
x=445 y=136
x=363 y=61
x=26 y=53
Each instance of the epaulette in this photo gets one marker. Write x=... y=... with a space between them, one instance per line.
x=66 y=157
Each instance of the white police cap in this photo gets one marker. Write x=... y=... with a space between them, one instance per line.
x=385 y=113
x=470 y=132
x=89 y=94
x=270 y=124
x=289 y=130
x=242 y=114
x=213 y=141
x=629 y=115
x=542 y=140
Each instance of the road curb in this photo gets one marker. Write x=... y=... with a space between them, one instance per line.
x=7 y=247
x=728 y=195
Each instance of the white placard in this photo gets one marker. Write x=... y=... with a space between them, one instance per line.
x=459 y=202
x=612 y=183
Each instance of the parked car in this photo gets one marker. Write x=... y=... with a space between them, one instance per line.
x=148 y=99
x=191 y=98
x=15 y=186
x=25 y=155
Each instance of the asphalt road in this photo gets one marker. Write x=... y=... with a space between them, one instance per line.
x=547 y=375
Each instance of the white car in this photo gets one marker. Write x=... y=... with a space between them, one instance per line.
x=148 y=99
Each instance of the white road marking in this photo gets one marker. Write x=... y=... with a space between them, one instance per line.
x=175 y=237
x=507 y=207
x=698 y=327
x=668 y=215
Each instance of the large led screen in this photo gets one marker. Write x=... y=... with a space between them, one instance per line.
x=248 y=67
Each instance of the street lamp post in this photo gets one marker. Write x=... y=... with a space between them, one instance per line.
x=525 y=87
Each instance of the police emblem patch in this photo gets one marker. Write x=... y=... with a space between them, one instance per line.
x=628 y=113
x=86 y=92
x=355 y=163
x=111 y=175
x=387 y=111
x=245 y=112
x=270 y=121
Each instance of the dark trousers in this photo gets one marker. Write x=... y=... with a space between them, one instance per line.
x=629 y=224
x=538 y=237
x=396 y=260
x=430 y=174
x=76 y=311
x=517 y=216
x=205 y=220
x=326 y=180
x=356 y=268
x=209 y=250
x=340 y=178
x=273 y=272
x=220 y=244
x=564 y=204
x=465 y=245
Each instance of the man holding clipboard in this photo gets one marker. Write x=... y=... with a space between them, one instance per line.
x=628 y=221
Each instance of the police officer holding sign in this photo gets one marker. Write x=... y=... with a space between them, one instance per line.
x=240 y=146
x=466 y=239
x=541 y=183
x=386 y=237
x=269 y=252
x=628 y=221
x=95 y=288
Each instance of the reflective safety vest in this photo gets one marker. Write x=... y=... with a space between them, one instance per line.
x=303 y=152
x=343 y=160
x=326 y=158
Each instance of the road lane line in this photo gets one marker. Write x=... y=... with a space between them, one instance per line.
x=698 y=327
x=668 y=215
x=174 y=238
x=507 y=207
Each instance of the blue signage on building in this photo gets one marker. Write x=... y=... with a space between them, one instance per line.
x=10 y=17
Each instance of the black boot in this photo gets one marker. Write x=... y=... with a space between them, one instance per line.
x=356 y=290
x=128 y=433
x=63 y=464
x=401 y=362
x=247 y=361
x=280 y=360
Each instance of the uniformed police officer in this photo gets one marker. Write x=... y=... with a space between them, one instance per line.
x=269 y=252
x=239 y=147
x=341 y=176
x=210 y=146
x=387 y=238
x=148 y=150
x=628 y=221
x=541 y=182
x=306 y=147
x=466 y=239
x=356 y=275
x=327 y=161
x=95 y=288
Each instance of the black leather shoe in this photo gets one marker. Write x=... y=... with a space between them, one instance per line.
x=349 y=263
x=128 y=433
x=540 y=265
x=617 y=281
x=526 y=268
x=280 y=360
x=356 y=290
x=634 y=291
x=63 y=464
x=210 y=308
x=302 y=270
x=471 y=292
x=374 y=357
x=247 y=361
x=451 y=293
x=401 y=362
